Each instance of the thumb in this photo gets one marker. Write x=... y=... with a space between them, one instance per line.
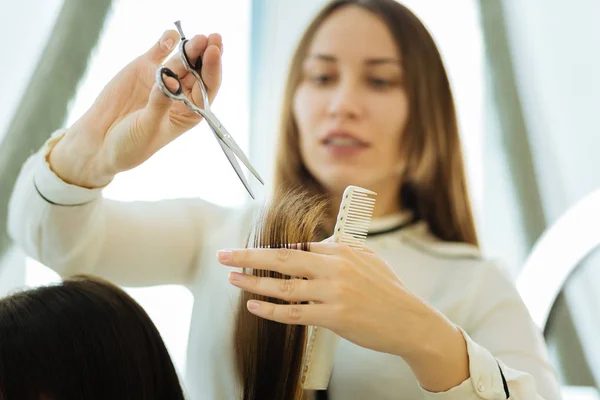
x=158 y=103
x=163 y=47
x=157 y=107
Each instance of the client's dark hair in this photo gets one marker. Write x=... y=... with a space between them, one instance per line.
x=269 y=354
x=83 y=338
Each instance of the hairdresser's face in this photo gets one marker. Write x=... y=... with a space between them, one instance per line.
x=351 y=107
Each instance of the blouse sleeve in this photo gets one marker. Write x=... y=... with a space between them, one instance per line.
x=507 y=353
x=75 y=230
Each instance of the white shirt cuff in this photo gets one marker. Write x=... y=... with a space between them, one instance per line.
x=485 y=381
x=53 y=189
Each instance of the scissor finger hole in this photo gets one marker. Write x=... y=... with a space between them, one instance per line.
x=168 y=84
x=198 y=65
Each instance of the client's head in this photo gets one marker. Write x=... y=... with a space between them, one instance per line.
x=81 y=339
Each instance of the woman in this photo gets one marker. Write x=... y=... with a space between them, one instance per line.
x=367 y=103
x=82 y=339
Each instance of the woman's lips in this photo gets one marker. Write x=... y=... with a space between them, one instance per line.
x=343 y=144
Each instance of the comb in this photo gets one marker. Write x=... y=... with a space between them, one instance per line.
x=351 y=228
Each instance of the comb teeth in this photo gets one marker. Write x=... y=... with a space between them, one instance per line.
x=354 y=216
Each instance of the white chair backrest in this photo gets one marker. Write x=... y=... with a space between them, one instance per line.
x=556 y=254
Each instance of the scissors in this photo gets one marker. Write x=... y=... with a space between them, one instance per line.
x=229 y=146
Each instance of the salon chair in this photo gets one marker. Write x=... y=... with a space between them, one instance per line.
x=553 y=284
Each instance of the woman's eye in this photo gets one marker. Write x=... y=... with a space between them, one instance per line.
x=322 y=79
x=380 y=83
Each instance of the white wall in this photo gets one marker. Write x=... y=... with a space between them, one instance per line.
x=555 y=48
x=24 y=28
x=276 y=28
x=556 y=57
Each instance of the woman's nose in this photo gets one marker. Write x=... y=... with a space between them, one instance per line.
x=346 y=101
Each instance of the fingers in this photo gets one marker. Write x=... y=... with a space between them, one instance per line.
x=211 y=76
x=158 y=105
x=163 y=47
x=368 y=250
x=211 y=70
x=316 y=263
x=296 y=263
x=329 y=247
x=194 y=48
x=208 y=49
x=292 y=290
x=292 y=314
x=216 y=40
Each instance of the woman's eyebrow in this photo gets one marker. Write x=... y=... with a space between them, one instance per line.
x=323 y=57
x=382 y=60
x=368 y=61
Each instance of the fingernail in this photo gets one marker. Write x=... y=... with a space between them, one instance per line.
x=235 y=276
x=252 y=305
x=224 y=255
x=168 y=44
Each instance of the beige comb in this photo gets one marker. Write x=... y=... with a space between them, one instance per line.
x=351 y=228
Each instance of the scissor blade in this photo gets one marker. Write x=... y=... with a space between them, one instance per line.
x=228 y=141
x=234 y=163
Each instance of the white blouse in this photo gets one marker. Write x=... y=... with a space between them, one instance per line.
x=75 y=230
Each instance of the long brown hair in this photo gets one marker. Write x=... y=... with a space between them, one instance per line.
x=269 y=354
x=83 y=338
x=434 y=185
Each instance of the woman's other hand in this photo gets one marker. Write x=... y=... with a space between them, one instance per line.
x=357 y=295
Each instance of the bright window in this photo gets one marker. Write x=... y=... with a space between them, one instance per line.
x=456 y=28
x=193 y=165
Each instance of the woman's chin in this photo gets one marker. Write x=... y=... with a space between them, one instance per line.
x=338 y=182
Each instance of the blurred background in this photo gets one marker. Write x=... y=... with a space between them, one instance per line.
x=525 y=79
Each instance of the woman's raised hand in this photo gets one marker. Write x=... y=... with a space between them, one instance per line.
x=132 y=119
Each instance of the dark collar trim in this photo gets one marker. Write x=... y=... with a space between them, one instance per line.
x=392 y=229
